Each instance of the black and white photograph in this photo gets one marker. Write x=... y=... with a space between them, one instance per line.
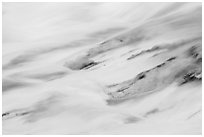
x=102 y=68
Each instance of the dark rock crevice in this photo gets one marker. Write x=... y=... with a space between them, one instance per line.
x=89 y=65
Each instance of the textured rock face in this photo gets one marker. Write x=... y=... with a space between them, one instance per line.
x=103 y=68
x=161 y=76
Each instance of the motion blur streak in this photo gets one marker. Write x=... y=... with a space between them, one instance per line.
x=102 y=68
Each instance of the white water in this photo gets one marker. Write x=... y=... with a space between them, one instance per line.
x=59 y=100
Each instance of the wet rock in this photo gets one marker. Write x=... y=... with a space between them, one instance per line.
x=141 y=75
x=191 y=76
x=172 y=58
x=89 y=65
